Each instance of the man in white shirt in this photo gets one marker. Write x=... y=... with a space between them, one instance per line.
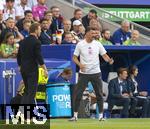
x=21 y=8
x=9 y=10
x=89 y=64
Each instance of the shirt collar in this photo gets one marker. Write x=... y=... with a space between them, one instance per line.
x=120 y=81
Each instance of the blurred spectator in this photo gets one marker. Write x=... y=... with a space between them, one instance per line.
x=57 y=22
x=134 y=38
x=105 y=40
x=68 y=38
x=10 y=27
x=48 y=16
x=97 y=34
x=122 y=34
x=77 y=31
x=86 y=19
x=21 y=8
x=9 y=10
x=28 y=16
x=32 y=3
x=46 y=35
x=17 y=2
x=2 y=24
x=96 y=24
x=77 y=16
x=140 y=96
x=39 y=10
x=8 y=47
x=2 y=4
x=67 y=26
x=61 y=76
x=26 y=27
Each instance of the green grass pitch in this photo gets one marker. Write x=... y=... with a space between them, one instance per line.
x=86 y=124
x=95 y=124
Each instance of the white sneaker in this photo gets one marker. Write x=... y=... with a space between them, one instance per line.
x=101 y=119
x=73 y=119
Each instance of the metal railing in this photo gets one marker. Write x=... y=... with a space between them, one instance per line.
x=108 y=16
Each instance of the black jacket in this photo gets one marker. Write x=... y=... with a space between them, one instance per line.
x=85 y=21
x=114 y=89
x=132 y=87
x=29 y=54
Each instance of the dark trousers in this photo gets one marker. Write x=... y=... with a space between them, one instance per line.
x=125 y=102
x=144 y=102
x=83 y=80
x=31 y=83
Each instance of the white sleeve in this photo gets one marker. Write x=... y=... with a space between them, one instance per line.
x=102 y=50
x=77 y=50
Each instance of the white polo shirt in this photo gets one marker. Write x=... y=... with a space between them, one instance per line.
x=89 y=55
x=20 y=10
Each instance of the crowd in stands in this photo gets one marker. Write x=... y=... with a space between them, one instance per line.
x=16 y=17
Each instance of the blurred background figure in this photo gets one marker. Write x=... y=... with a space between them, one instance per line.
x=122 y=34
x=9 y=10
x=21 y=8
x=77 y=16
x=68 y=38
x=26 y=27
x=106 y=37
x=134 y=39
x=86 y=19
x=8 y=47
x=39 y=10
x=46 y=34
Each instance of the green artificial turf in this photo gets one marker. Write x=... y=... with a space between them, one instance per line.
x=85 y=124
x=95 y=124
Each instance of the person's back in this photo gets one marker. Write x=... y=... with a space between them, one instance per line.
x=28 y=53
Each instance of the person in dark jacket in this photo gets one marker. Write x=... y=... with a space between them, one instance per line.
x=29 y=58
x=140 y=96
x=86 y=19
x=119 y=92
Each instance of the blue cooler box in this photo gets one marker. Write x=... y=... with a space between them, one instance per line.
x=58 y=96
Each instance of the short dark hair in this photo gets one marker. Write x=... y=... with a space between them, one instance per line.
x=27 y=11
x=43 y=20
x=121 y=70
x=10 y=1
x=46 y=12
x=67 y=71
x=93 y=11
x=34 y=27
x=89 y=28
x=77 y=10
x=132 y=69
x=104 y=30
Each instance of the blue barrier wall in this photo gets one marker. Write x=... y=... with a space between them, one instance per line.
x=123 y=56
x=6 y=95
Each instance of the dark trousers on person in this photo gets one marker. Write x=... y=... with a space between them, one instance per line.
x=125 y=102
x=144 y=102
x=83 y=80
x=31 y=83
